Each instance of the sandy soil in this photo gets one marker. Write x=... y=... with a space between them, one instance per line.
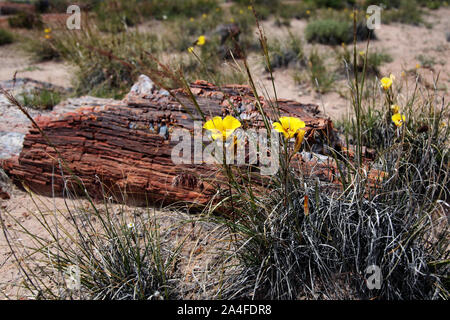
x=404 y=43
x=14 y=60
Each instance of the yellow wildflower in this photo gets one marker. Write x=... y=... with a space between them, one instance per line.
x=201 y=40
x=308 y=12
x=47 y=36
x=386 y=82
x=241 y=11
x=191 y=19
x=222 y=128
x=299 y=140
x=395 y=109
x=362 y=53
x=398 y=119
x=204 y=16
x=250 y=8
x=288 y=126
x=232 y=20
x=47 y=30
x=417 y=66
x=190 y=49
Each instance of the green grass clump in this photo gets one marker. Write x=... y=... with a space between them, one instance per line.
x=286 y=53
x=41 y=99
x=328 y=31
x=25 y=20
x=41 y=49
x=6 y=37
x=320 y=76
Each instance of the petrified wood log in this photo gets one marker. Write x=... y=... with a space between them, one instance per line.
x=124 y=149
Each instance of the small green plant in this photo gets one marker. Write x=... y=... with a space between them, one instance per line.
x=6 y=37
x=321 y=77
x=41 y=49
x=369 y=64
x=426 y=61
x=41 y=99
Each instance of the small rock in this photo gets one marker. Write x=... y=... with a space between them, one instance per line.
x=144 y=86
x=4 y=195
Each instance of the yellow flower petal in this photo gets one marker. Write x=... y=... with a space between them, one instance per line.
x=201 y=40
x=290 y=126
x=231 y=123
x=215 y=124
x=278 y=127
x=398 y=119
x=386 y=83
x=395 y=109
x=299 y=140
x=222 y=128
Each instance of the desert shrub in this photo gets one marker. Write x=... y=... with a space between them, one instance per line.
x=333 y=31
x=328 y=32
x=286 y=53
x=295 y=10
x=376 y=59
x=60 y=6
x=40 y=48
x=408 y=12
x=319 y=75
x=369 y=64
x=389 y=4
x=116 y=15
x=6 y=37
x=336 y=4
x=107 y=64
x=26 y=20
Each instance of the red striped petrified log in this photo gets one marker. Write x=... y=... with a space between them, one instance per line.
x=124 y=148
